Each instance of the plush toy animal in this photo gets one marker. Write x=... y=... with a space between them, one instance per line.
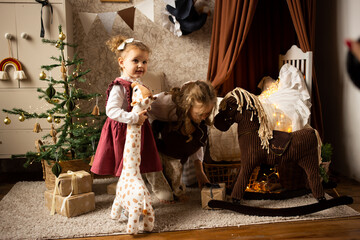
x=190 y=14
x=131 y=192
x=258 y=146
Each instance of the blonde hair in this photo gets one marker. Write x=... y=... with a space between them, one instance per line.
x=185 y=97
x=114 y=42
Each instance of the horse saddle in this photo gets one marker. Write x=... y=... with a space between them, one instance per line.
x=280 y=141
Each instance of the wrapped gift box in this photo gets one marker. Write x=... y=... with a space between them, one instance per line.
x=212 y=193
x=81 y=181
x=111 y=188
x=74 y=205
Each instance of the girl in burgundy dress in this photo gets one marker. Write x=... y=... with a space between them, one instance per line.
x=132 y=56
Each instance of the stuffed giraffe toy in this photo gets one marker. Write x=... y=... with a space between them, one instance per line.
x=131 y=191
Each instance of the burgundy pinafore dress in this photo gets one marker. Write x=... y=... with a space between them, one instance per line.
x=108 y=158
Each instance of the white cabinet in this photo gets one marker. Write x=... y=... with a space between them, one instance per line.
x=20 y=20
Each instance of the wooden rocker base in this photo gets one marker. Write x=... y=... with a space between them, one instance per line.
x=284 y=212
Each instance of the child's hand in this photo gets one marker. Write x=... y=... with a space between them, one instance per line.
x=142 y=117
x=202 y=179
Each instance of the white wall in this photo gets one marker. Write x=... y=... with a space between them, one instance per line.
x=338 y=20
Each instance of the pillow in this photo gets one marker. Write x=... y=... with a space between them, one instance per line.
x=155 y=81
x=224 y=146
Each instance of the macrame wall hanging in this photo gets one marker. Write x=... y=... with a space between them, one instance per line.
x=19 y=74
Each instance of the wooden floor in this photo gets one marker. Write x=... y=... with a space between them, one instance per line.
x=340 y=228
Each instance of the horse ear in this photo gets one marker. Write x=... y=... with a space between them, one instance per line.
x=134 y=84
x=222 y=105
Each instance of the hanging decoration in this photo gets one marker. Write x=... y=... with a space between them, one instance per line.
x=128 y=15
x=22 y=117
x=96 y=110
x=19 y=74
x=7 y=120
x=188 y=16
x=107 y=19
x=37 y=128
x=44 y=3
x=146 y=7
x=53 y=133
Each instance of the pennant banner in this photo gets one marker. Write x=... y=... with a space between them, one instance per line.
x=87 y=20
x=107 y=20
x=147 y=8
x=128 y=15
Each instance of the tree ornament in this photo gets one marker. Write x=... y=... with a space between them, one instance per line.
x=70 y=104
x=62 y=36
x=57 y=120
x=7 y=120
x=56 y=169
x=50 y=91
x=38 y=145
x=63 y=68
x=96 y=111
x=49 y=118
x=42 y=75
x=37 y=128
x=53 y=133
x=22 y=117
x=75 y=74
x=58 y=44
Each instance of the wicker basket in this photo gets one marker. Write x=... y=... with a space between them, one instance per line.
x=222 y=173
x=73 y=165
x=227 y=173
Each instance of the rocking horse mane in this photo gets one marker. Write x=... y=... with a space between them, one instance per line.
x=252 y=102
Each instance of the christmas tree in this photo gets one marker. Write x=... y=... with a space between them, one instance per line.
x=76 y=132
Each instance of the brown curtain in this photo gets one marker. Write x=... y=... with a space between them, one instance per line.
x=232 y=20
x=272 y=33
x=303 y=15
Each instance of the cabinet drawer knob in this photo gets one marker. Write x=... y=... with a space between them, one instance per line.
x=9 y=36
x=24 y=35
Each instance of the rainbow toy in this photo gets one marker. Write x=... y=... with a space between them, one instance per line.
x=18 y=74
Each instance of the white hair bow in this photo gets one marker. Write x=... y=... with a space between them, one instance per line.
x=123 y=44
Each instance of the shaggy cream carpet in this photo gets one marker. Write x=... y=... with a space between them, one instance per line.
x=23 y=214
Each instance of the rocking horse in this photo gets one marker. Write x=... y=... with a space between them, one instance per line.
x=258 y=146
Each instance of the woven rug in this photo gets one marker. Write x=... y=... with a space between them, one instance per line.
x=23 y=214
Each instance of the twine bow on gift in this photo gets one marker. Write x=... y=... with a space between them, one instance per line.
x=74 y=189
x=212 y=186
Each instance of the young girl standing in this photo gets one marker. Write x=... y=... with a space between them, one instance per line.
x=180 y=129
x=132 y=57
